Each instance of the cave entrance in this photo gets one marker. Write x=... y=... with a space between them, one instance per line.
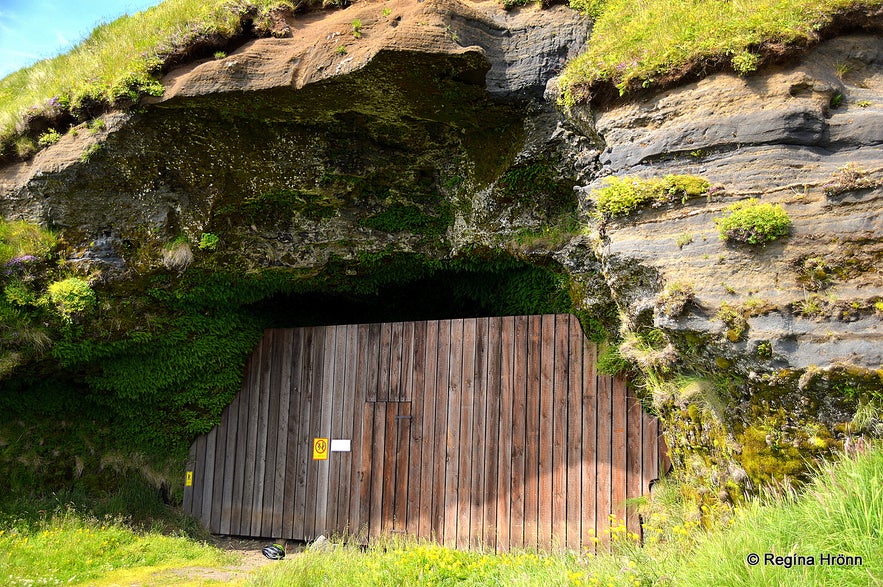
x=475 y=432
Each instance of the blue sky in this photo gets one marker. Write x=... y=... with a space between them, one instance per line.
x=31 y=30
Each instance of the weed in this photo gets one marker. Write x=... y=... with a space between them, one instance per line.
x=753 y=222
x=672 y=301
x=735 y=320
x=24 y=147
x=684 y=239
x=90 y=152
x=863 y=103
x=96 y=125
x=878 y=307
x=836 y=100
x=621 y=196
x=50 y=137
x=611 y=362
x=849 y=178
x=729 y=289
x=71 y=296
x=357 y=28
x=745 y=62
x=341 y=50
x=764 y=349
x=177 y=255
x=209 y=241
x=386 y=11
x=809 y=306
x=220 y=54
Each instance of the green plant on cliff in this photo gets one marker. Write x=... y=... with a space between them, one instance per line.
x=72 y=296
x=753 y=222
x=621 y=196
x=639 y=44
x=849 y=178
x=23 y=240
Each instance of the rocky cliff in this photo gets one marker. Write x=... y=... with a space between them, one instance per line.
x=433 y=129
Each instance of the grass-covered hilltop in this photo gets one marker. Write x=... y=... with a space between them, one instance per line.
x=699 y=182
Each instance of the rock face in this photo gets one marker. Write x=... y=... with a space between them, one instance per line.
x=782 y=136
x=431 y=128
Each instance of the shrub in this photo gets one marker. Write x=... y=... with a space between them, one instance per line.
x=209 y=241
x=50 y=137
x=71 y=296
x=623 y=195
x=848 y=178
x=753 y=222
x=744 y=62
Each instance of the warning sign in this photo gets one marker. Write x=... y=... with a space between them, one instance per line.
x=320 y=449
x=188 y=479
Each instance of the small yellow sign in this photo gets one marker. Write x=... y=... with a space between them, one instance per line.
x=320 y=449
x=188 y=479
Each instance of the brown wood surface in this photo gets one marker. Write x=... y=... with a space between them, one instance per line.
x=478 y=433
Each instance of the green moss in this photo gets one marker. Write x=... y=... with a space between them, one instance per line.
x=753 y=222
x=400 y=217
x=621 y=196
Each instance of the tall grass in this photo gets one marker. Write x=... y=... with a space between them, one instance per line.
x=634 y=43
x=119 y=60
x=72 y=548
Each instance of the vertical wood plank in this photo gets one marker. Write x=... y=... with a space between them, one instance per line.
x=315 y=382
x=190 y=465
x=360 y=477
x=401 y=457
x=232 y=424
x=452 y=445
x=464 y=467
x=650 y=464
x=408 y=364
x=429 y=431
x=533 y=427
x=347 y=426
x=383 y=379
x=254 y=409
x=396 y=346
x=575 y=447
x=284 y=341
x=604 y=451
x=336 y=460
x=519 y=423
x=546 y=350
x=634 y=457
x=239 y=508
x=217 y=504
x=493 y=386
x=208 y=478
x=368 y=442
x=198 y=476
x=388 y=500
x=561 y=347
x=375 y=524
x=592 y=472
x=440 y=440
x=417 y=354
x=479 y=498
x=271 y=448
x=618 y=458
x=326 y=391
x=504 y=471
x=257 y=512
x=293 y=447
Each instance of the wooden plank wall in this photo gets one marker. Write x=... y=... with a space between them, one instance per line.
x=488 y=432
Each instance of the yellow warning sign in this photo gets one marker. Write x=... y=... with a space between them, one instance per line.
x=188 y=479
x=320 y=449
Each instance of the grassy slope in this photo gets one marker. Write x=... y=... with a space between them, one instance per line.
x=72 y=549
x=636 y=43
x=119 y=60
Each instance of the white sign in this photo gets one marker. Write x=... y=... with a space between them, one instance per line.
x=340 y=445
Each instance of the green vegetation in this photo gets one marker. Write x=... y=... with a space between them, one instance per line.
x=70 y=548
x=849 y=178
x=50 y=137
x=119 y=62
x=357 y=28
x=674 y=298
x=19 y=239
x=753 y=222
x=639 y=44
x=71 y=296
x=209 y=241
x=621 y=196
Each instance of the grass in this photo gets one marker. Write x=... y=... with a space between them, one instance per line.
x=75 y=549
x=119 y=62
x=637 y=44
